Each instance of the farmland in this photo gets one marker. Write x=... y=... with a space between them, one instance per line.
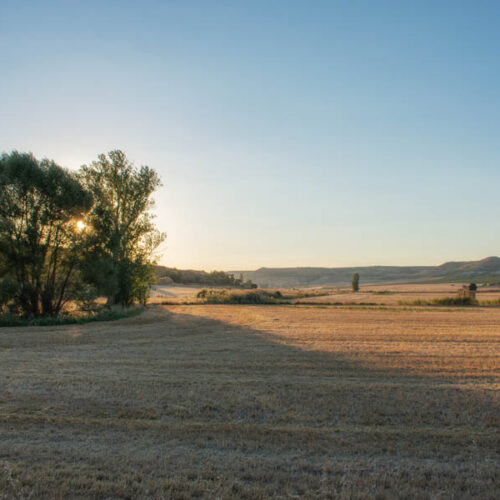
x=309 y=401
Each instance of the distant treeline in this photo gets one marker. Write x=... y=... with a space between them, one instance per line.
x=213 y=278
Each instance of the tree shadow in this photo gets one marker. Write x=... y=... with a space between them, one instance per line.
x=325 y=388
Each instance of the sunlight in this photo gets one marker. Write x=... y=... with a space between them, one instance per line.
x=80 y=225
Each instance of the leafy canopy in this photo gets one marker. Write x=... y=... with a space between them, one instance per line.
x=40 y=203
x=122 y=235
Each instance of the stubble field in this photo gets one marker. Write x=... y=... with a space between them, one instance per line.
x=254 y=401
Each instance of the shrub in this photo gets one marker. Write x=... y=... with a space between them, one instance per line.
x=455 y=301
x=253 y=297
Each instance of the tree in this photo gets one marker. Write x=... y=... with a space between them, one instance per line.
x=121 y=235
x=40 y=204
x=355 y=282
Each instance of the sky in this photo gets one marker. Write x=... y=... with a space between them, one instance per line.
x=286 y=133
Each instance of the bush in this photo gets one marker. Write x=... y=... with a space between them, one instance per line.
x=254 y=297
x=455 y=301
x=494 y=302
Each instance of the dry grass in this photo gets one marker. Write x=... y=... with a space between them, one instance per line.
x=252 y=402
x=393 y=294
x=384 y=295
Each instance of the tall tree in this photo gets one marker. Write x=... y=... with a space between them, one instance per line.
x=355 y=282
x=122 y=235
x=40 y=204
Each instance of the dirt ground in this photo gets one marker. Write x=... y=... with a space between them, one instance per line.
x=254 y=401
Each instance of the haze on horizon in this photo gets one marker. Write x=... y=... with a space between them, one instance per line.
x=286 y=133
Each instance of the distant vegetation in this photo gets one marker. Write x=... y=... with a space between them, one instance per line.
x=214 y=278
x=485 y=271
x=442 y=301
x=355 y=282
x=103 y=314
x=71 y=237
x=228 y=297
x=254 y=296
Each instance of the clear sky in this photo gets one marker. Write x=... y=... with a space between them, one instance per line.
x=287 y=133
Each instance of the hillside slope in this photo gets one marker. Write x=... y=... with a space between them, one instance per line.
x=483 y=270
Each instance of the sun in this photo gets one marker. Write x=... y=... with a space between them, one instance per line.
x=80 y=225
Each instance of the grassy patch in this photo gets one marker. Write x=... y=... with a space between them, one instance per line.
x=337 y=303
x=488 y=303
x=443 y=301
x=103 y=315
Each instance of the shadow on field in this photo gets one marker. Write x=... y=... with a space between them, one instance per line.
x=326 y=387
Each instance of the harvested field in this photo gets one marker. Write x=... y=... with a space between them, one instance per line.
x=254 y=401
x=392 y=294
x=385 y=295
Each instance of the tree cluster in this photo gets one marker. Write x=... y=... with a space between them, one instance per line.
x=213 y=278
x=74 y=235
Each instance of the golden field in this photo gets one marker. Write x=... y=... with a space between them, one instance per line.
x=384 y=295
x=226 y=401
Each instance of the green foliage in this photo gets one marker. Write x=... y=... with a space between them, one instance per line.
x=213 y=278
x=102 y=315
x=494 y=302
x=40 y=203
x=8 y=290
x=86 y=296
x=355 y=282
x=455 y=301
x=226 y=297
x=46 y=259
x=121 y=236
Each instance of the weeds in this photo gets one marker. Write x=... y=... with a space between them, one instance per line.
x=443 y=301
x=102 y=315
x=487 y=303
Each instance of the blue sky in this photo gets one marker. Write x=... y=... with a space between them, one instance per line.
x=286 y=133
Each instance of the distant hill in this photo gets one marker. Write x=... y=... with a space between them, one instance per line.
x=485 y=270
